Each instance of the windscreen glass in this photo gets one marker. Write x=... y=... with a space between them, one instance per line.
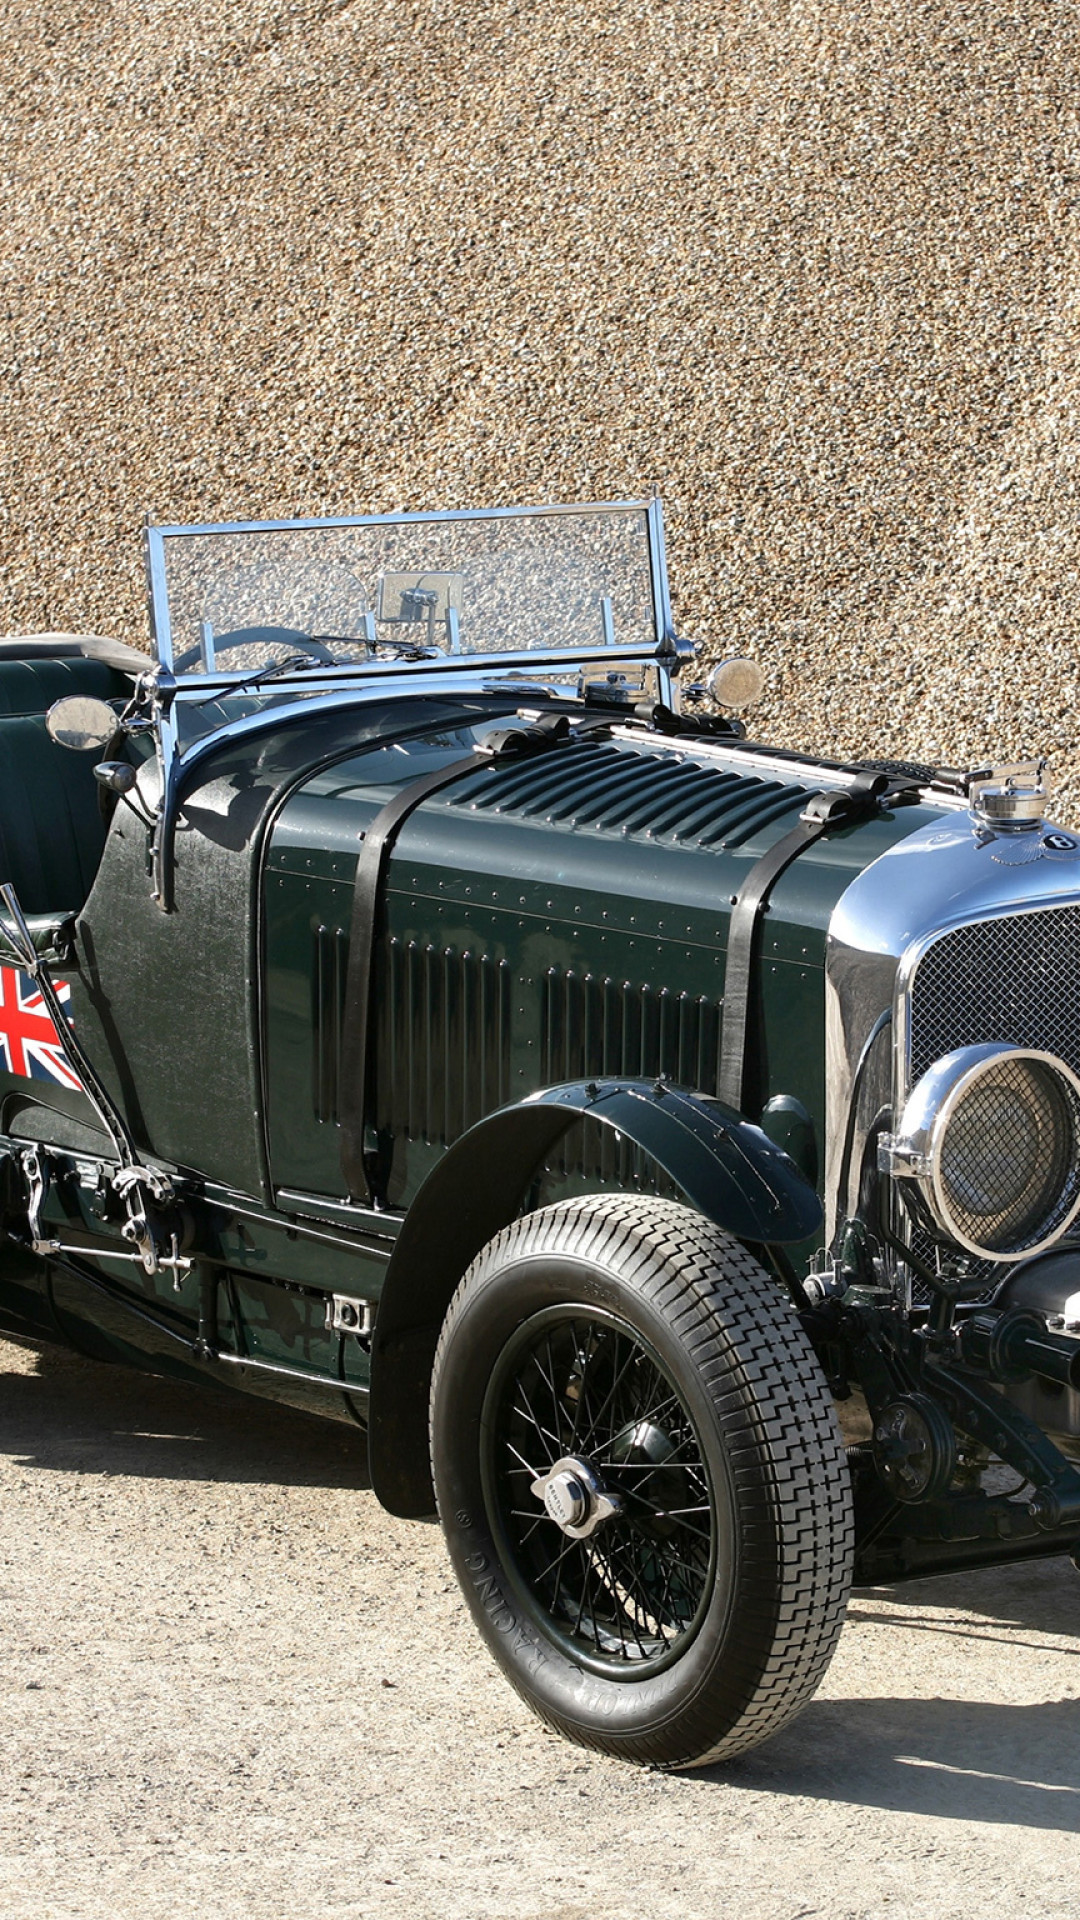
x=232 y=599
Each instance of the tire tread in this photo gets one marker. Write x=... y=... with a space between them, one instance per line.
x=741 y=1333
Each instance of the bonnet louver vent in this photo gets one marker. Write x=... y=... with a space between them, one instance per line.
x=619 y=790
x=593 y=1025
x=444 y=1039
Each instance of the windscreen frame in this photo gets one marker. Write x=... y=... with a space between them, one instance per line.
x=661 y=639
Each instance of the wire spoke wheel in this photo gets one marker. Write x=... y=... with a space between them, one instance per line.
x=582 y=1395
x=640 y=1479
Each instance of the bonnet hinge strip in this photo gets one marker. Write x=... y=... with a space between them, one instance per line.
x=833 y=807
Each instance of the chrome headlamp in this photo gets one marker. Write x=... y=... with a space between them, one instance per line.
x=990 y=1141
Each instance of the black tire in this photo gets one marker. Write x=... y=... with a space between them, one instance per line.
x=700 y=1615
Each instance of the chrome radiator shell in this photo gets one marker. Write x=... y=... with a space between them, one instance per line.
x=995 y=919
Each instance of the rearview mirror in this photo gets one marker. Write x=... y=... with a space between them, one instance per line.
x=81 y=722
x=426 y=599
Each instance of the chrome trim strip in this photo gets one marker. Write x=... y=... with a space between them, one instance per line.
x=737 y=759
x=474 y=666
x=776 y=764
x=167 y=736
x=317 y=1206
x=222 y=1357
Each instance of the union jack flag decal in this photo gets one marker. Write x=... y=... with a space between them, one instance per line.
x=29 y=1042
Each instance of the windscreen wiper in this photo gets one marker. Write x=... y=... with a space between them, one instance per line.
x=405 y=649
x=304 y=663
x=296 y=663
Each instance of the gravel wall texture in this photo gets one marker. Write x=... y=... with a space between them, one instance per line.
x=810 y=268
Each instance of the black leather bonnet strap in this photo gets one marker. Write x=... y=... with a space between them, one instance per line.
x=378 y=841
x=836 y=806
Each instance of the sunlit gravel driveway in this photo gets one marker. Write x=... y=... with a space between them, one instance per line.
x=233 y=1686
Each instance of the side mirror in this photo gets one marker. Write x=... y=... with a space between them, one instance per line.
x=81 y=722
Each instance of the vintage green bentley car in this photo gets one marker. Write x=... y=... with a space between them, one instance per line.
x=421 y=1007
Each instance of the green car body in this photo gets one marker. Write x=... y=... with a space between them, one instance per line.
x=385 y=955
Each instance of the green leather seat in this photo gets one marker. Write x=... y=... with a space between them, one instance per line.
x=51 y=829
x=34 y=685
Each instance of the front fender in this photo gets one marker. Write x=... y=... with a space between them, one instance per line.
x=728 y=1169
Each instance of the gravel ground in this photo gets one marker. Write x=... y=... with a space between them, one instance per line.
x=231 y=1684
x=810 y=267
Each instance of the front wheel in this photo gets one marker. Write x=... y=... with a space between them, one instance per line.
x=641 y=1480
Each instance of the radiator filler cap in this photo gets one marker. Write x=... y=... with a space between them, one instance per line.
x=1012 y=796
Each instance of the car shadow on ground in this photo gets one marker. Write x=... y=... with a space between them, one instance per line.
x=1001 y=1764
x=1013 y=1764
x=67 y=1414
x=1041 y=1596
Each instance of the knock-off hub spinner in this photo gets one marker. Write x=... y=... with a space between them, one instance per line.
x=574 y=1497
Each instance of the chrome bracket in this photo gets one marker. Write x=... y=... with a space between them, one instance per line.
x=346 y=1314
x=151 y=1179
x=36 y=1170
x=900 y=1160
x=135 y=1186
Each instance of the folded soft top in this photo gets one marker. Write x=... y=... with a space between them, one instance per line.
x=61 y=646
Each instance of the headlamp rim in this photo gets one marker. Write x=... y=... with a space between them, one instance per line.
x=925 y=1119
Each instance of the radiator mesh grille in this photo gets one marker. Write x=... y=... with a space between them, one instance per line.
x=1013 y=979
